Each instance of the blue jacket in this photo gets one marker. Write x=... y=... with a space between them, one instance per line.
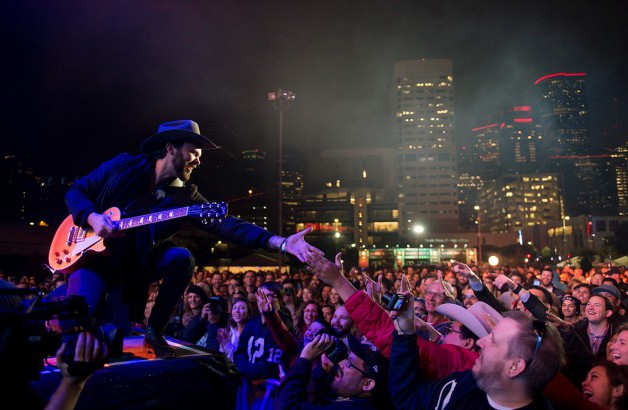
x=257 y=355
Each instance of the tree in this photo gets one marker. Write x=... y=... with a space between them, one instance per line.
x=621 y=238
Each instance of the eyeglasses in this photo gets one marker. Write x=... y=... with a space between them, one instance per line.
x=539 y=327
x=469 y=297
x=349 y=364
x=435 y=294
x=450 y=329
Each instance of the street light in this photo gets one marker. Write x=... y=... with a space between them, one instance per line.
x=281 y=99
x=479 y=222
x=565 y=218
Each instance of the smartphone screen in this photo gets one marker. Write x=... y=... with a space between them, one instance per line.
x=537 y=282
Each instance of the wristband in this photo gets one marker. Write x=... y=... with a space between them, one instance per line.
x=517 y=289
x=282 y=247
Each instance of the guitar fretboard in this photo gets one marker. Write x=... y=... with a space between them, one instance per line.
x=148 y=219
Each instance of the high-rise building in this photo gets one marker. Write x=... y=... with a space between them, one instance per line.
x=515 y=202
x=510 y=144
x=423 y=99
x=565 y=113
x=620 y=162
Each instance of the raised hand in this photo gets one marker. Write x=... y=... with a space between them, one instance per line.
x=404 y=318
x=263 y=304
x=325 y=270
x=502 y=280
x=466 y=271
x=374 y=289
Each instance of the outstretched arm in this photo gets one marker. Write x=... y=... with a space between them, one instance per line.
x=295 y=245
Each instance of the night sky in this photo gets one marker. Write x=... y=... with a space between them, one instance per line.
x=85 y=80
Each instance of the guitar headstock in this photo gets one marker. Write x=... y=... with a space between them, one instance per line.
x=209 y=211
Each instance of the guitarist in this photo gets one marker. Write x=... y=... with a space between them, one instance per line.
x=155 y=180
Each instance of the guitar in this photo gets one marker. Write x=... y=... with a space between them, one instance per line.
x=72 y=243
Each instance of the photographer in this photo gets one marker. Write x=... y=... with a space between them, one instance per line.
x=29 y=336
x=359 y=380
x=213 y=317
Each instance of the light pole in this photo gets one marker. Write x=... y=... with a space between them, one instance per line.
x=479 y=222
x=565 y=218
x=280 y=99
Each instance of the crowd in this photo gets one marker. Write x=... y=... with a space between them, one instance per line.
x=287 y=332
x=447 y=336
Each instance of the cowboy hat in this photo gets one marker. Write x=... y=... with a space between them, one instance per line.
x=176 y=131
x=473 y=318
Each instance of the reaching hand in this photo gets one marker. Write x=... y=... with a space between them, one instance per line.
x=325 y=270
x=466 y=271
x=296 y=245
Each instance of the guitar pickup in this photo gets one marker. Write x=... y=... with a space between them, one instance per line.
x=71 y=236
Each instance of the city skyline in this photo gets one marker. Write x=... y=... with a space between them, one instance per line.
x=84 y=83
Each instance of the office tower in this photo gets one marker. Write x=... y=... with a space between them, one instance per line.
x=423 y=98
x=252 y=200
x=565 y=113
x=515 y=202
x=620 y=162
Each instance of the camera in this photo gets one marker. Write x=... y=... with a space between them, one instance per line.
x=336 y=352
x=29 y=335
x=217 y=305
x=393 y=301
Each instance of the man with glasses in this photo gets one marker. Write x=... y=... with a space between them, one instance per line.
x=517 y=359
x=359 y=381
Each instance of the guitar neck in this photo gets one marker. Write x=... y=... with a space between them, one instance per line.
x=155 y=217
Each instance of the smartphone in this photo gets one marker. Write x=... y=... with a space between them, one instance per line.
x=537 y=282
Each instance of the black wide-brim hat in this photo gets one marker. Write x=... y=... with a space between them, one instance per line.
x=176 y=131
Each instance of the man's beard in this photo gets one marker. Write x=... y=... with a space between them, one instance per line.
x=488 y=377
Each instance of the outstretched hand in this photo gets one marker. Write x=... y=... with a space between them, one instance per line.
x=325 y=270
x=297 y=246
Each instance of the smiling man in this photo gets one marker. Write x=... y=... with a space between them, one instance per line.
x=517 y=359
x=156 y=180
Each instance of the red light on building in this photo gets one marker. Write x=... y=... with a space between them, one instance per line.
x=523 y=119
x=545 y=77
x=502 y=125
x=522 y=108
x=483 y=127
x=589 y=228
